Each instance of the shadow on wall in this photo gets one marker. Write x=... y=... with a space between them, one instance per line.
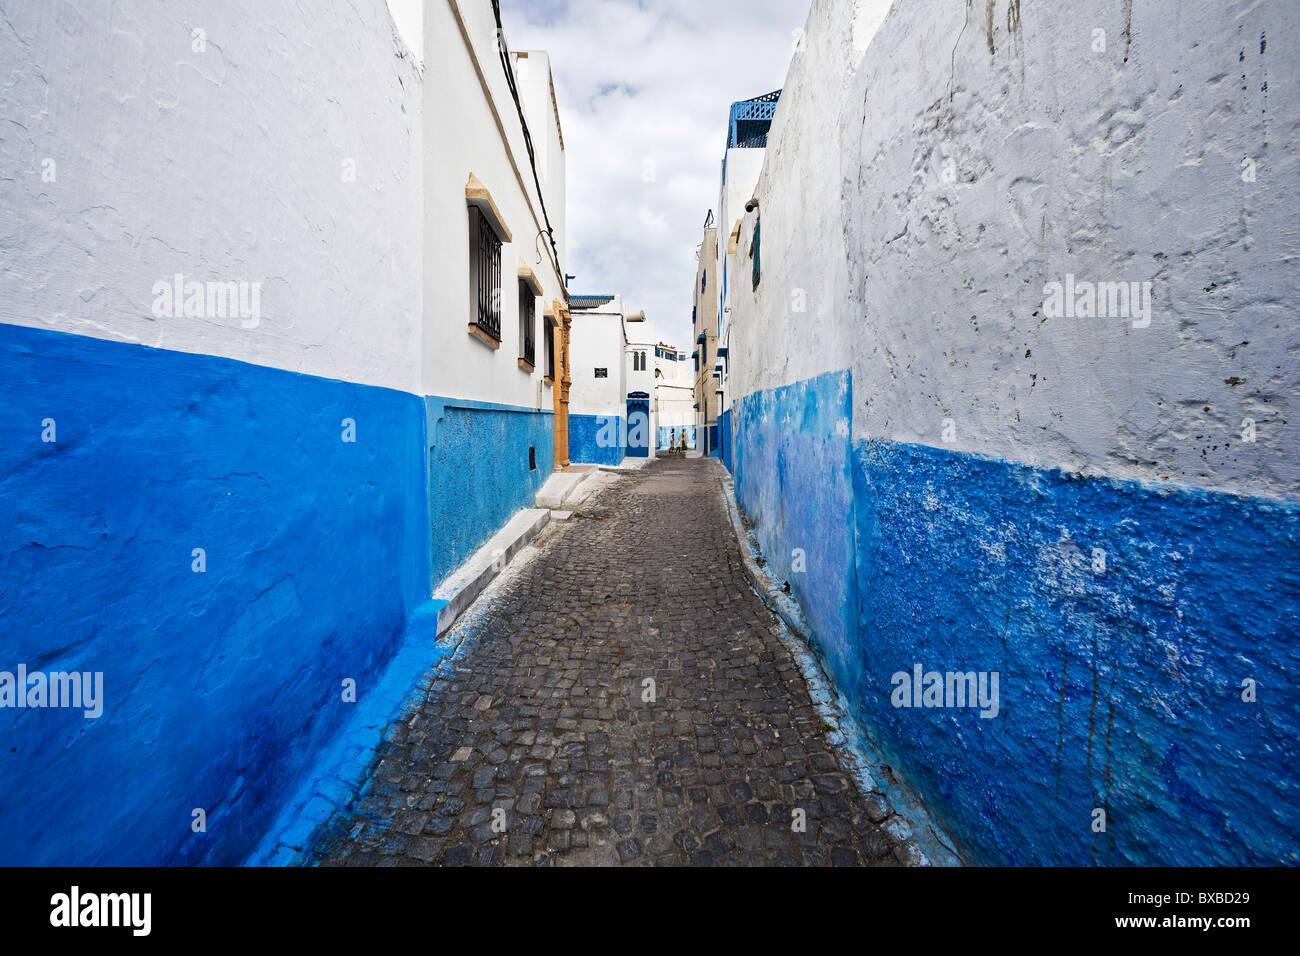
x=1142 y=638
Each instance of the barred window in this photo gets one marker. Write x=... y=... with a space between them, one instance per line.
x=485 y=274
x=527 y=323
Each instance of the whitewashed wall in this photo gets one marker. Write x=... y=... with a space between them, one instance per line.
x=462 y=137
x=537 y=88
x=740 y=175
x=975 y=155
x=202 y=154
x=642 y=339
x=674 y=404
x=598 y=340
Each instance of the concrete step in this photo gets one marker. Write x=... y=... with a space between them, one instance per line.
x=561 y=488
x=469 y=580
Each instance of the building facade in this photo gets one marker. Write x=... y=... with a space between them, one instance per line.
x=492 y=392
x=262 y=396
x=1030 y=417
x=704 y=324
x=598 y=397
x=642 y=418
x=747 y=130
x=674 y=391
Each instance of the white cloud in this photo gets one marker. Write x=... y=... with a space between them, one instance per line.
x=648 y=86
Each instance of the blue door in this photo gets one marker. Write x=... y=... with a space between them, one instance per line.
x=638 y=428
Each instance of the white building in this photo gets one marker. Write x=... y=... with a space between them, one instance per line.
x=598 y=396
x=641 y=419
x=674 y=398
x=742 y=163
x=494 y=301
x=1095 y=498
x=281 y=281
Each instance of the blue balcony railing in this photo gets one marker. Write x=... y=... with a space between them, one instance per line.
x=750 y=121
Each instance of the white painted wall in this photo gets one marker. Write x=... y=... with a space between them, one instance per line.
x=740 y=175
x=673 y=403
x=598 y=340
x=926 y=276
x=537 y=90
x=642 y=340
x=408 y=20
x=463 y=127
x=222 y=161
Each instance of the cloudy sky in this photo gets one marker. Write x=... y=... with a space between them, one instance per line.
x=644 y=90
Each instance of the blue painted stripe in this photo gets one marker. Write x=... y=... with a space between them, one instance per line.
x=338 y=771
x=479 y=473
x=220 y=687
x=793 y=477
x=727 y=457
x=1119 y=689
x=589 y=439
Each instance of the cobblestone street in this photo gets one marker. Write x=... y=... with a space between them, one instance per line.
x=543 y=719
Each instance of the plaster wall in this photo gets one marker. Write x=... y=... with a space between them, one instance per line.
x=951 y=475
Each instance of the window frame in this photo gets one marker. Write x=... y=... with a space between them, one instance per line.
x=486 y=250
x=527 y=324
x=548 y=343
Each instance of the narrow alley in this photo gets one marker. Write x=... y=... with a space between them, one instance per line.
x=639 y=433
x=549 y=716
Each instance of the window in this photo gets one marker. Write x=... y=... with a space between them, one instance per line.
x=548 y=343
x=527 y=323
x=485 y=275
x=602 y=373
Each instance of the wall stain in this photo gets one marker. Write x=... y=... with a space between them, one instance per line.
x=1128 y=28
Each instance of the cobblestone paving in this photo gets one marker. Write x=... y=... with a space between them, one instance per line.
x=541 y=727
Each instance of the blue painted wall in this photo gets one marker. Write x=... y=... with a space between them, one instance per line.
x=793 y=477
x=584 y=445
x=1118 y=690
x=479 y=474
x=221 y=686
x=727 y=456
x=667 y=433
